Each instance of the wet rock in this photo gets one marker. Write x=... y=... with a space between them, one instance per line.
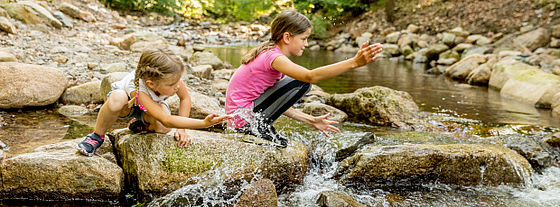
x=6 y=25
x=480 y=75
x=368 y=138
x=532 y=86
x=534 y=39
x=538 y=157
x=86 y=93
x=504 y=70
x=319 y=109
x=260 y=193
x=30 y=12
x=376 y=105
x=553 y=139
x=156 y=166
x=105 y=86
x=207 y=58
x=22 y=87
x=7 y=56
x=337 y=199
x=75 y=12
x=50 y=173
x=460 y=164
x=201 y=105
x=463 y=68
x=203 y=71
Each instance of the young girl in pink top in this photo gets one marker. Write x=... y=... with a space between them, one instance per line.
x=267 y=83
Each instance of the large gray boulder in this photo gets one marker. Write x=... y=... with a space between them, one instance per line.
x=22 y=86
x=58 y=172
x=154 y=165
x=460 y=164
x=29 y=12
x=377 y=105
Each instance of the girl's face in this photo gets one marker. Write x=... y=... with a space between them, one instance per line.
x=298 y=43
x=167 y=86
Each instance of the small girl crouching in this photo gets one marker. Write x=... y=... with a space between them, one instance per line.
x=141 y=96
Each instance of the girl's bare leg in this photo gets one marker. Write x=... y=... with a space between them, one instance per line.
x=115 y=106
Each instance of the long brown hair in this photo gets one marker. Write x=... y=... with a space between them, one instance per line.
x=289 y=21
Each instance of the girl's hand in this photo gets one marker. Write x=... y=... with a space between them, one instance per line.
x=212 y=119
x=322 y=124
x=367 y=54
x=182 y=138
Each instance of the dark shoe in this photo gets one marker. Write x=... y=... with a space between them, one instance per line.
x=267 y=133
x=138 y=126
x=90 y=144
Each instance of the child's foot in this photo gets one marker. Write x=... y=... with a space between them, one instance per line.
x=137 y=126
x=90 y=144
x=261 y=141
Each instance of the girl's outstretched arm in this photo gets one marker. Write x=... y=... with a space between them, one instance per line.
x=366 y=54
x=319 y=122
x=180 y=122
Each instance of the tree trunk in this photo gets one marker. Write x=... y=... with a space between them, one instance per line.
x=389 y=10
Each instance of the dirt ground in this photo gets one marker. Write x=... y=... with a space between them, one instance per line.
x=475 y=16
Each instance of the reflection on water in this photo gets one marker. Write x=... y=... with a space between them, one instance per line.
x=433 y=93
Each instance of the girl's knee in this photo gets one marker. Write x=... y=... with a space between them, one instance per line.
x=117 y=100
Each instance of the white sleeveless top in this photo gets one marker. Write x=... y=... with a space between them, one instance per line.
x=127 y=84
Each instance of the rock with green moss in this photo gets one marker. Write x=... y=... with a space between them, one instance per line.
x=154 y=165
x=377 y=105
x=461 y=164
x=533 y=86
x=504 y=70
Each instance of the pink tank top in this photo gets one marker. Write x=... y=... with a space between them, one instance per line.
x=249 y=82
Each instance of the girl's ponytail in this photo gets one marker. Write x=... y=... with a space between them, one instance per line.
x=253 y=53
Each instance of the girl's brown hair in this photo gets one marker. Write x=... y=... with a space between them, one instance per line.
x=157 y=64
x=289 y=21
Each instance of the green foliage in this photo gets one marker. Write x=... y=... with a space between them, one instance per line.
x=322 y=13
